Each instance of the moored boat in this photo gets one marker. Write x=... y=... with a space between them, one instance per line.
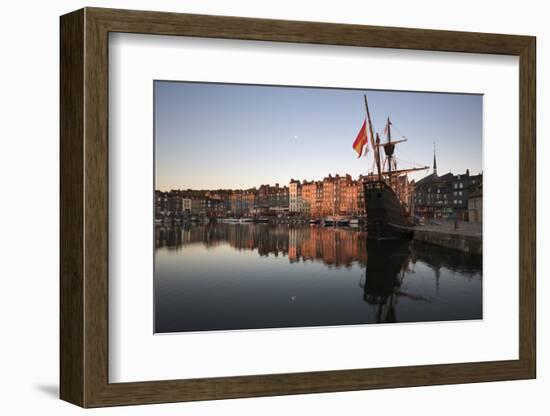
x=335 y=221
x=388 y=216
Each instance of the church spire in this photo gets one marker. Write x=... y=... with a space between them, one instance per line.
x=435 y=163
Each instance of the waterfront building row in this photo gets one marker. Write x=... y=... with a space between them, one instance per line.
x=449 y=196
x=334 y=195
x=265 y=200
x=446 y=196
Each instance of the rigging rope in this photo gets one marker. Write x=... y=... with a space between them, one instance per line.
x=407 y=161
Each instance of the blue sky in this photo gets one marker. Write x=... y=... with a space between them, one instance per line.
x=210 y=136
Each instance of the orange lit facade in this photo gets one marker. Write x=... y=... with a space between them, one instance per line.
x=334 y=195
x=242 y=202
x=352 y=200
x=312 y=195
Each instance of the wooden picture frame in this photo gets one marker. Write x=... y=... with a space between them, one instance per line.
x=84 y=207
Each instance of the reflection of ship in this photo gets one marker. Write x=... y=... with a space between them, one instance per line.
x=386 y=266
x=387 y=214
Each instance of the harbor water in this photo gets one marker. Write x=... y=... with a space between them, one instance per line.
x=222 y=276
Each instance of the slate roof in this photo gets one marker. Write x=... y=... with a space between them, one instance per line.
x=435 y=178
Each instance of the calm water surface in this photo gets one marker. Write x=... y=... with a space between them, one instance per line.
x=244 y=276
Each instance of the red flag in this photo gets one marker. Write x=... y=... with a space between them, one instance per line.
x=361 y=140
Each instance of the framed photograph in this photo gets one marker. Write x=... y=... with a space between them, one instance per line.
x=255 y=207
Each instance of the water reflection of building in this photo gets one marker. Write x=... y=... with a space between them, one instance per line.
x=335 y=247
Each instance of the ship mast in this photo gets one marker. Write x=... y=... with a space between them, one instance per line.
x=389 y=147
x=376 y=148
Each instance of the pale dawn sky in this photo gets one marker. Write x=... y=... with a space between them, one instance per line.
x=211 y=136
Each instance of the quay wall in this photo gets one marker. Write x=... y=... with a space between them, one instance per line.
x=471 y=244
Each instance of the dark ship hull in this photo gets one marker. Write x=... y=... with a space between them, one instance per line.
x=386 y=217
